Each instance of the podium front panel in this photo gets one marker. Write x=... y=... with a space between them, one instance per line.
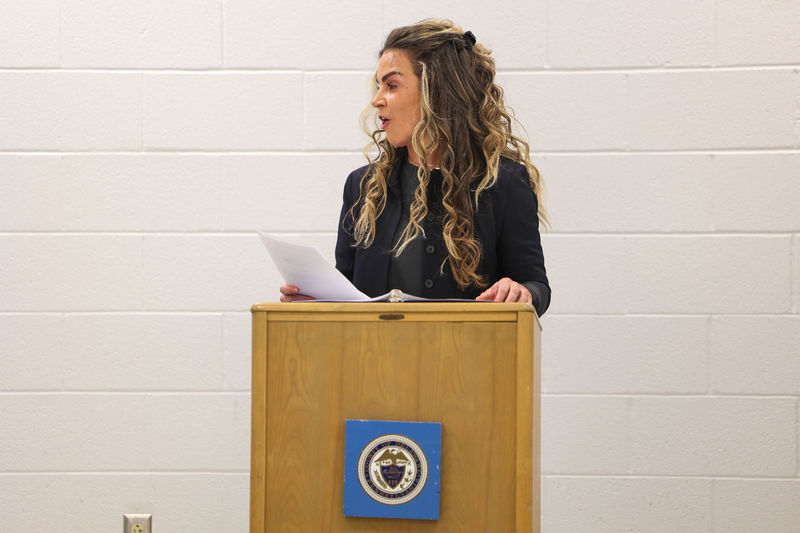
x=470 y=366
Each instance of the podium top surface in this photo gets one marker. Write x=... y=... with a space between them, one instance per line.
x=467 y=310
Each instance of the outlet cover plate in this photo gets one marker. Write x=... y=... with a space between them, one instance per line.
x=138 y=523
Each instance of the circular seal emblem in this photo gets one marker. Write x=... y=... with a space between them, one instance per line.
x=392 y=469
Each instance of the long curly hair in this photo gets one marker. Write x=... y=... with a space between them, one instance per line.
x=463 y=117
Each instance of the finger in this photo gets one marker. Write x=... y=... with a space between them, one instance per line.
x=527 y=297
x=289 y=289
x=488 y=294
x=502 y=290
x=513 y=293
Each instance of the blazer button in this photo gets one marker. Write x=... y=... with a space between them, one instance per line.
x=430 y=248
x=429 y=217
x=428 y=283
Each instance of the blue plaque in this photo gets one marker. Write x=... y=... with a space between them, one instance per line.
x=392 y=469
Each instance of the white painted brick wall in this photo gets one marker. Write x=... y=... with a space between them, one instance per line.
x=618 y=193
x=756 y=32
x=141 y=144
x=70 y=110
x=30 y=35
x=626 y=354
x=614 y=504
x=30 y=192
x=147 y=192
x=304 y=34
x=143 y=34
x=514 y=31
x=222 y=111
x=745 y=350
x=714 y=436
x=742 y=505
x=294 y=181
x=559 y=112
x=644 y=33
x=585 y=435
x=179 y=501
x=796 y=273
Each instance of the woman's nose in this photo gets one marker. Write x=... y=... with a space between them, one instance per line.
x=377 y=100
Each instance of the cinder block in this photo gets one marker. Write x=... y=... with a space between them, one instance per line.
x=669 y=274
x=206 y=272
x=145 y=34
x=336 y=127
x=755 y=354
x=142 y=192
x=70 y=272
x=628 y=193
x=744 y=505
x=587 y=274
x=30 y=109
x=769 y=203
x=714 y=436
x=30 y=34
x=796 y=273
x=102 y=272
x=195 y=501
x=236 y=350
x=515 y=31
x=303 y=34
x=223 y=111
x=620 y=33
x=712 y=109
x=70 y=110
x=585 y=435
x=142 y=352
x=612 y=505
x=559 y=113
x=30 y=192
x=748 y=32
x=116 y=352
x=32 y=273
x=285 y=192
x=125 y=432
x=716 y=274
x=32 y=345
x=100 y=111
x=618 y=355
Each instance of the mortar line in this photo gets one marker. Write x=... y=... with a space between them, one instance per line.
x=630 y=152
x=543 y=70
x=710 y=477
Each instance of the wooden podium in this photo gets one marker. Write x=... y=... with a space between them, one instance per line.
x=473 y=367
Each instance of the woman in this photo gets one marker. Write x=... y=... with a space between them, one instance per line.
x=448 y=206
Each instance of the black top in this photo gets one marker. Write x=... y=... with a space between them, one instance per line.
x=506 y=225
x=405 y=270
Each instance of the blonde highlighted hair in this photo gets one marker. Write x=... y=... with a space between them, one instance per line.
x=464 y=117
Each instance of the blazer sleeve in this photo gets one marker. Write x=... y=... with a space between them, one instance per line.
x=519 y=244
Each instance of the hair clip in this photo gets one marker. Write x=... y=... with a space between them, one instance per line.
x=469 y=39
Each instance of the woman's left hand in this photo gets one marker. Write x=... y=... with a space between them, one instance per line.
x=506 y=290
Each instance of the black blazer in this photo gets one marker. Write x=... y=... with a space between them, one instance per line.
x=506 y=225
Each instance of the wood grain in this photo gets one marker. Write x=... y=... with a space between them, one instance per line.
x=462 y=373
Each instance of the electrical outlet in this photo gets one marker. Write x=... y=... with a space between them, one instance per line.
x=138 y=523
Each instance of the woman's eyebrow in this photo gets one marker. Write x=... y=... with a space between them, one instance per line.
x=390 y=74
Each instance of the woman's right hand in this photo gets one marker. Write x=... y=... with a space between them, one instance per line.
x=290 y=293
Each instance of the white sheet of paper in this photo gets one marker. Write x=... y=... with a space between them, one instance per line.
x=305 y=267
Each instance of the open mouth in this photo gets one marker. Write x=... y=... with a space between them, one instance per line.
x=384 y=121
